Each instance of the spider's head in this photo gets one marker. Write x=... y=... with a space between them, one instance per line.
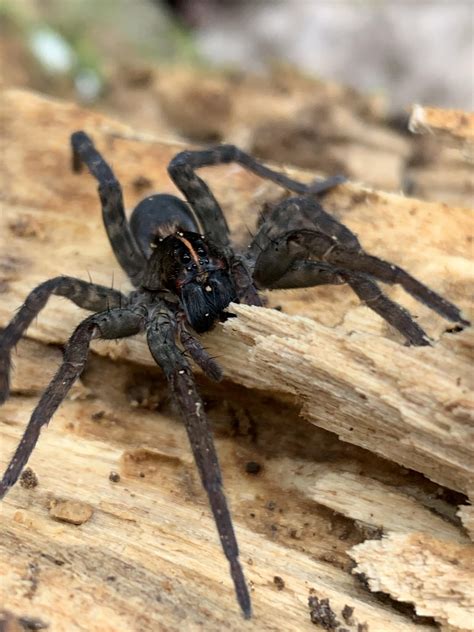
x=195 y=270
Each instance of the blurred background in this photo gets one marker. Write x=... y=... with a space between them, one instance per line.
x=324 y=85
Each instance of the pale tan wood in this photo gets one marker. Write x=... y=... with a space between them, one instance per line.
x=454 y=125
x=435 y=576
x=466 y=513
x=336 y=488
x=339 y=366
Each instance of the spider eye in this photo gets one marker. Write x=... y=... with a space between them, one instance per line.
x=186 y=258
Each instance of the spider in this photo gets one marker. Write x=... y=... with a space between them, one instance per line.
x=185 y=273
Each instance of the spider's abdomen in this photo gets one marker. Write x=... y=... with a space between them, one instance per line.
x=158 y=216
x=194 y=270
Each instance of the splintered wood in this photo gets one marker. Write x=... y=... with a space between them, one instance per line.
x=436 y=576
x=454 y=125
x=388 y=449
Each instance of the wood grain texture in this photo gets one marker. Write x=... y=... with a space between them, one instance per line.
x=456 y=126
x=148 y=557
x=435 y=576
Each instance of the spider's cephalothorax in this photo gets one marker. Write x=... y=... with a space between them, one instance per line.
x=186 y=264
x=180 y=259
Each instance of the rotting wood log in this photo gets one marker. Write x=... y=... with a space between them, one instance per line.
x=149 y=549
x=455 y=126
x=435 y=576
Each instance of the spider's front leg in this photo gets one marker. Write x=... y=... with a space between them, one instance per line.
x=114 y=323
x=161 y=334
x=113 y=213
x=314 y=248
x=307 y=273
x=390 y=273
x=209 y=213
x=89 y=296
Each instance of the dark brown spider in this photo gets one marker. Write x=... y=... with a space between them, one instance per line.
x=185 y=272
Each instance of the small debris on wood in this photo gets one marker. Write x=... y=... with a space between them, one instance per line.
x=114 y=477
x=144 y=395
x=71 y=511
x=28 y=479
x=32 y=623
x=322 y=614
x=252 y=467
x=279 y=583
x=140 y=183
x=98 y=415
x=11 y=623
x=347 y=614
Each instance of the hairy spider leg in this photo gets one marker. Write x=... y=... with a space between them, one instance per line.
x=279 y=256
x=89 y=296
x=307 y=273
x=390 y=273
x=182 y=172
x=120 y=236
x=161 y=342
x=344 y=252
x=114 y=323
x=295 y=214
x=200 y=356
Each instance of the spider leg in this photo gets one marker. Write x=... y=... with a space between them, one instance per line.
x=160 y=336
x=390 y=273
x=369 y=292
x=116 y=323
x=113 y=213
x=182 y=172
x=305 y=273
x=200 y=356
x=87 y=295
x=289 y=231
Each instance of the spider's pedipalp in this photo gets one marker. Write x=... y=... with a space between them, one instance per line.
x=161 y=342
x=114 y=323
x=113 y=213
x=86 y=295
x=199 y=354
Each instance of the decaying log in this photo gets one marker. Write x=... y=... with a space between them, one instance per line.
x=147 y=557
x=456 y=126
x=466 y=513
x=435 y=576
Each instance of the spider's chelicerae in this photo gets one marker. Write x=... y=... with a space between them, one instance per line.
x=185 y=272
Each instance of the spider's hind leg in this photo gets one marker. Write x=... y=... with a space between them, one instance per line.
x=86 y=295
x=115 y=323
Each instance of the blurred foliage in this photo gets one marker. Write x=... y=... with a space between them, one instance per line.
x=102 y=35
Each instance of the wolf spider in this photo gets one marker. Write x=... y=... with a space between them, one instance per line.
x=185 y=272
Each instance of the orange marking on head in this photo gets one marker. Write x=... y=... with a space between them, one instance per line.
x=191 y=250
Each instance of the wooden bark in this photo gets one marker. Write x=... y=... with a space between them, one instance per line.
x=434 y=575
x=148 y=557
x=455 y=126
